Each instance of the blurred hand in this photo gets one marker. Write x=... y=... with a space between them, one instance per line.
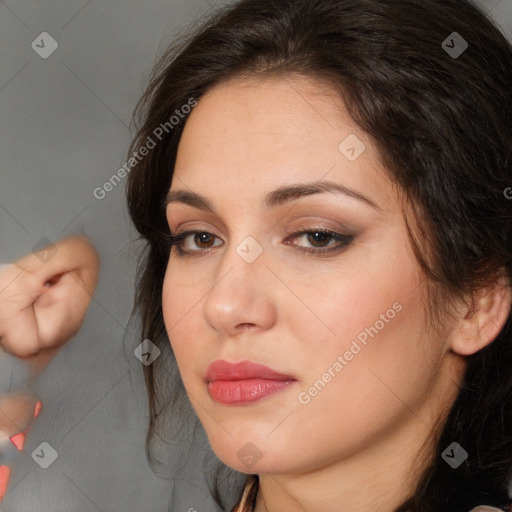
x=16 y=413
x=43 y=303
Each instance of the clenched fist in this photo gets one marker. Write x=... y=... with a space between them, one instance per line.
x=43 y=303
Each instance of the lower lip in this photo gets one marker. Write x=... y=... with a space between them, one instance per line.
x=245 y=391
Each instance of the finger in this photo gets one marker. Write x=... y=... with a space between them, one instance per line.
x=29 y=277
x=46 y=285
x=61 y=311
x=72 y=253
x=16 y=411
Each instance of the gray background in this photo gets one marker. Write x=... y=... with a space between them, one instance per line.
x=64 y=132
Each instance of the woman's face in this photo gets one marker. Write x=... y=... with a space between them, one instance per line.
x=345 y=329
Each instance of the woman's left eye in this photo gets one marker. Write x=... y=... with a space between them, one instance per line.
x=320 y=240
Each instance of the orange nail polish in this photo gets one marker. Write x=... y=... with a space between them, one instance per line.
x=19 y=441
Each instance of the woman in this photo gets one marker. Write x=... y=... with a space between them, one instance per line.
x=323 y=192
x=329 y=247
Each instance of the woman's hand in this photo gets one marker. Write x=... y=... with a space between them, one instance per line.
x=43 y=301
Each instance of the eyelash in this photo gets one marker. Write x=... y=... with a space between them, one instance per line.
x=344 y=241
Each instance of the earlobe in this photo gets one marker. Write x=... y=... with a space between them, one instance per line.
x=483 y=321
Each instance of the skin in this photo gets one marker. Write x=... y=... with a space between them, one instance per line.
x=43 y=303
x=357 y=443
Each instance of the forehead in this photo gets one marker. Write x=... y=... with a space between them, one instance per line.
x=265 y=133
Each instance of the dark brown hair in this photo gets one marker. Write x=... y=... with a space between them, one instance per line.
x=442 y=124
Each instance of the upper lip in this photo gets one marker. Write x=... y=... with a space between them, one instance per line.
x=224 y=370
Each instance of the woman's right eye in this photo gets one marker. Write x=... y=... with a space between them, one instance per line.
x=201 y=239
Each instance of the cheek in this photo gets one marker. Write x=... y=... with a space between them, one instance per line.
x=359 y=297
x=338 y=311
x=365 y=333
x=180 y=294
x=182 y=312
x=377 y=358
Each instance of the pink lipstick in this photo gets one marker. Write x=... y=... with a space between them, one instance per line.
x=244 y=382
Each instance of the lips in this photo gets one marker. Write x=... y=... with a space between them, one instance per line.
x=222 y=370
x=244 y=382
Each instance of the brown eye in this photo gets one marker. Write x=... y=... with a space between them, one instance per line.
x=198 y=239
x=319 y=240
x=202 y=237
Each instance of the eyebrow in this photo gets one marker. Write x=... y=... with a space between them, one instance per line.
x=277 y=197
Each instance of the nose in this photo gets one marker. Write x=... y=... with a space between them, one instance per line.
x=241 y=297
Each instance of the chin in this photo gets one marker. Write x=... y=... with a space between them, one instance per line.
x=256 y=456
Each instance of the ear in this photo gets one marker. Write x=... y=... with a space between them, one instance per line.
x=480 y=324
